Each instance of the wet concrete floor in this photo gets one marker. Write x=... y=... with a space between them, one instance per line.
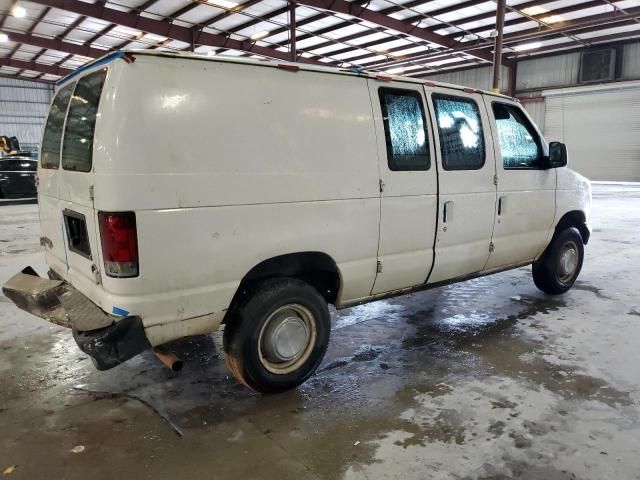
x=488 y=379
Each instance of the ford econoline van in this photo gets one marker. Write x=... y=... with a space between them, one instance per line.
x=178 y=193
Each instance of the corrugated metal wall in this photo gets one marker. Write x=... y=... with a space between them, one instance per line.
x=602 y=152
x=475 y=78
x=23 y=110
x=537 y=111
x=547 y=72
x=601 y=127
x=631 y=61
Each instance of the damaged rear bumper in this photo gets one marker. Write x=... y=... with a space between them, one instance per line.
x=108 y=340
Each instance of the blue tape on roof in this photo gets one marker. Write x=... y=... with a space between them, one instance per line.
x=96 y=63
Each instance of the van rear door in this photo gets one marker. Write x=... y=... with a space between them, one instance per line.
x=76 y=217
x=48 y=182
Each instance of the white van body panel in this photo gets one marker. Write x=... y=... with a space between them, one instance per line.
x=408 y=207
x=218 y=186
x=230 y=163
x=527 y=204
x=573 y=194
x=462 y=243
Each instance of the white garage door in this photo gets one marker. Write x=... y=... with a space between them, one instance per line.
x=600 y=126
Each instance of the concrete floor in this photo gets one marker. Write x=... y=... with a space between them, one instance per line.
x=488 y=379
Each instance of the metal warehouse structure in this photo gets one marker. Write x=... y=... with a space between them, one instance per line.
x=543 y=56
x=45 y=39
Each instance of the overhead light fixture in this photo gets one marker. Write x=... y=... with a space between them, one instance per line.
x=223 y=3
x=82 y=58
x=259 y=35
x=537 y=10
x=396 y=71
x=4 y=37
x=527 y=46
x=552 y=19
x=18 y=11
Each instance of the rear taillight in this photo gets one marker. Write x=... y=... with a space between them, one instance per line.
x=119 y=243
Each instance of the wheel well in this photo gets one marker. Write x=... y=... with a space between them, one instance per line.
x=315 y=268
x=577 y=219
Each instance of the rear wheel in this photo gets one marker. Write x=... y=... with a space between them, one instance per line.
x=276 y=338
x=558 y=268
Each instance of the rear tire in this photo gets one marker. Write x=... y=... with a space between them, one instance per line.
x=557 y=269
x=277 y=336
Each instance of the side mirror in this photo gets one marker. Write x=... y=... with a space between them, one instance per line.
x=557 y=155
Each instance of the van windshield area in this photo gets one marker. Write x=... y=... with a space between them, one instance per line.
x=77 y=145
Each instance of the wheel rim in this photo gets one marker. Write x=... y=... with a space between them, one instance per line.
x=568 y=261
x=287 y=338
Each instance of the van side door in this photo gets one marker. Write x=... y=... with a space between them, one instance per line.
x=526 y=189
x=467 y=193
x=408 y=185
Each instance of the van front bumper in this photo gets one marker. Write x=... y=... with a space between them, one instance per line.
x=108 y=340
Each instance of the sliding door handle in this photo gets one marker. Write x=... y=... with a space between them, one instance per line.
x=501 y=202
x=447 y=211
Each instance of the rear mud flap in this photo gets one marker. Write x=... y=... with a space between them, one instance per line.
x=109 y=347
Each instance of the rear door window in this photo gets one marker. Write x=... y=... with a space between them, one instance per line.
x=460 y=132
x=77 y=146
x=52 y=138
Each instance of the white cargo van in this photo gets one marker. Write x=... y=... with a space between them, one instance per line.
x=180 y=192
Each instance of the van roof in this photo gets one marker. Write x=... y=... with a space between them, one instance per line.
x=351 y=71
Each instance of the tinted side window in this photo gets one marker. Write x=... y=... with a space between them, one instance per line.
x=52 y=138
x=519 y=143
x=460 y=132
x=404 y=129
x=77 y=146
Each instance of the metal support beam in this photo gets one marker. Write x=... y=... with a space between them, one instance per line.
x=547 y=51
x=57 y=44
x=513 y=76
x=34 y=67
x=292 y=30
x=28 y=79
x=7 y=13
x=521 y=37
x=497 y=49
x=165 y=29
x=348 y=8
x=569 y=47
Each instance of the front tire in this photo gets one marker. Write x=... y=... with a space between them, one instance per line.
x=557 y=269
x=277 y=336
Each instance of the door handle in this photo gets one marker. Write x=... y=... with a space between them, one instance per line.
x=447 y=211
x=501 y=201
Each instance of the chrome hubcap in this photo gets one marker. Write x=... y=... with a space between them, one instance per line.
x=287 y=338
x=568 y=261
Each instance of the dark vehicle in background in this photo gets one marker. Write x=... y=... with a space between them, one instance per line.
x=18 y=177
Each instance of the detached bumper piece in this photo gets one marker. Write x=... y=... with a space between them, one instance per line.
x=107 y=340
x=38 y=296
